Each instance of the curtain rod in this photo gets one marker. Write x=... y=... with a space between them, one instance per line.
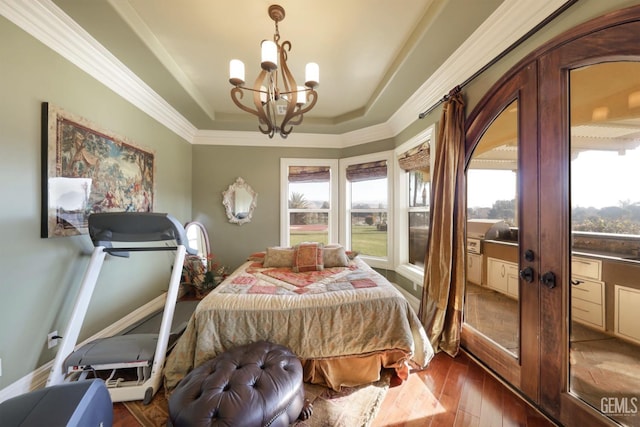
x=504 y=53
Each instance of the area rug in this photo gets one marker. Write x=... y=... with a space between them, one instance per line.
x=350 y=407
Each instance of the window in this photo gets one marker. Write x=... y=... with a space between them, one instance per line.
x=309 y=198
x=367 y=203
x=413 y=185
x=419 y=195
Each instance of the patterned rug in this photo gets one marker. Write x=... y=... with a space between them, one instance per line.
x=350 y=407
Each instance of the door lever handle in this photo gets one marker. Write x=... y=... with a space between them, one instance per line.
x=548 y=279
x=527 y=274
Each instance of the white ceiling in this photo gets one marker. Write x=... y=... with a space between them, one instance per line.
x=355 y=43
x=382 y=62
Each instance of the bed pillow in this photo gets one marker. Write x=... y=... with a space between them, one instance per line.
x=308 y=256
x=278 y=257
x=335 y=256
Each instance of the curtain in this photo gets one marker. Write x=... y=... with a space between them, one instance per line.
x=367 y=171
x=415 y=159
x=309 y=173
x=441 y=305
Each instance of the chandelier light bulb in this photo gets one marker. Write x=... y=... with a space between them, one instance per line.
x=312 y=75
x=269 y=55
x=301 y=95
x=236 y=72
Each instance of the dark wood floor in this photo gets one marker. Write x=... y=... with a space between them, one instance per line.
x=450 y=392
x=455 y=392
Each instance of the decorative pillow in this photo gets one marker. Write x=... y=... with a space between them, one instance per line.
x=335 y=256
x=278 y=257
x=307 y=256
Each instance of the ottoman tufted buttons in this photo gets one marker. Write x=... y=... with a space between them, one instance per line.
x=258 y=384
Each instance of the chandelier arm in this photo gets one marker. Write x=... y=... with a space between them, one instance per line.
x=237 y=93
x=295 y=117
x=288 y=80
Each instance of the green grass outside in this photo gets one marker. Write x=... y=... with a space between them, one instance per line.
x=365 y=239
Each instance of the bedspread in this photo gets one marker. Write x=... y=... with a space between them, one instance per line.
x=329 y=315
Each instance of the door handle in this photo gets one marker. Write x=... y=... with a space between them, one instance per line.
x=527 y=274
x=548 y=279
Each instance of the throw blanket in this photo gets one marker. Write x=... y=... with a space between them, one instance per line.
x=329 y=315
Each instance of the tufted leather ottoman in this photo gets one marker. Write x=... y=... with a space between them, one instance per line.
x=258 y=384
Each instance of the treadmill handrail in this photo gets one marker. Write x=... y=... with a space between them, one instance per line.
x=107 y=227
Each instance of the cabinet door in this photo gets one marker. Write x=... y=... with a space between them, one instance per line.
x=513 y=281
x=497 y=275
x=474 y=268
x=627 y=314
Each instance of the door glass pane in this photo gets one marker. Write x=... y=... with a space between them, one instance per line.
x=491 y=296
x=604 y=365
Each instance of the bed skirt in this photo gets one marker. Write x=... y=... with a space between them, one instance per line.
x=355 y=370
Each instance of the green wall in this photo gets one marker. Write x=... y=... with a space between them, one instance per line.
x=39 y=277
x=217 y=167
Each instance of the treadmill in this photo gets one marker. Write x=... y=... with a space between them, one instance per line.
x=130 y=363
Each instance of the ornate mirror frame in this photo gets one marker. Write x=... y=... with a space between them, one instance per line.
x=239 y=201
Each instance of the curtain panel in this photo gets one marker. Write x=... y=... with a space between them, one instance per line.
x=443 y=292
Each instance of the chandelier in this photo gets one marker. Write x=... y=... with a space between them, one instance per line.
x=275 y=92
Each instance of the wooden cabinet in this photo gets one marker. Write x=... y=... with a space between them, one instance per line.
x=627 y=315
x=513 y=280
x=586 y=267
x=474 y=268
x=502 y=276
x=587 y=292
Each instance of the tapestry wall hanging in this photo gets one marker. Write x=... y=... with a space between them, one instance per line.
x=86 y=169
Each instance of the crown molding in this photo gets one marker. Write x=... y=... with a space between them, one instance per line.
x=49 y=24
x=257 y=139
x=295 y=139
x=510 y=21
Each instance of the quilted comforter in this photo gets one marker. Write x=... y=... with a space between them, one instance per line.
x=341 y=322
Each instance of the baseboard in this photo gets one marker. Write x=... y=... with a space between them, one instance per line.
x=38 y=378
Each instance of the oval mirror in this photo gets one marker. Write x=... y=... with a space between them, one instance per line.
x=239 y=201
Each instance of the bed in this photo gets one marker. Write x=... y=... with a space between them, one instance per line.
x=343 y=320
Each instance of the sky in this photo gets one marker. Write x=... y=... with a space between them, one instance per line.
x=369 y=191
x=599 y=179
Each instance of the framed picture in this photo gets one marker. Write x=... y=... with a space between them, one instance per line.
x=86 y=169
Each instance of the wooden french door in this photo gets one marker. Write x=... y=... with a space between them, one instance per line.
x=578 y=118
x=501 y=324
x=540 y=87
